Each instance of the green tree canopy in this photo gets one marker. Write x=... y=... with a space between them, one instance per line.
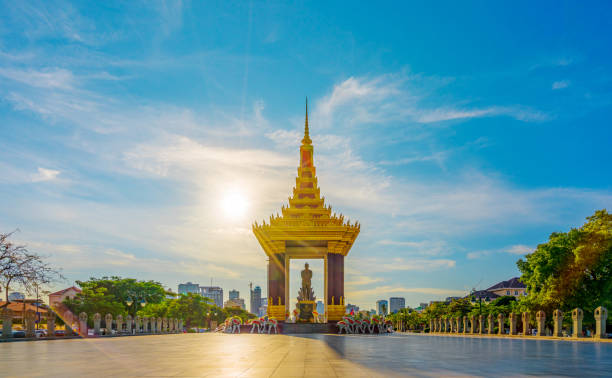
x=130 y=292
x=573 y=269
x=92 y=300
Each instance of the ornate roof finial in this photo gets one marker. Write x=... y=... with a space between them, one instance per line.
x=306 y=139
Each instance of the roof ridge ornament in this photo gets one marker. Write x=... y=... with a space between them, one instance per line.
x=306 y=139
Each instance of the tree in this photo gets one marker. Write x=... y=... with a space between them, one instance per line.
x=20 y=267
x=573 y=269
x=95 y=299
x=236 y=311
x=192 y=308
x=130 y=292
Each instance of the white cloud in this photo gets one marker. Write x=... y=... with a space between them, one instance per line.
x=424 y=247
x=45 y=174
x=518 y=249
x=560 y=84
x=50 y=78
x=371 y=294
x=403 y=98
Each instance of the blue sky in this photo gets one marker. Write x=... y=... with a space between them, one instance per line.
x=460 y=135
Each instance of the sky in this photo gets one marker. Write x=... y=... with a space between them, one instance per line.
x=143 y=139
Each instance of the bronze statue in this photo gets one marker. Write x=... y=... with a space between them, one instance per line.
x=306 y=276
x=306 y=293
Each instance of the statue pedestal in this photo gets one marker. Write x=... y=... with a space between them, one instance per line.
x=306 y=308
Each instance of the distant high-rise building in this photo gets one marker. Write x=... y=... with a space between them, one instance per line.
x=382 y=306
x=255 y=300
x=396 y=304
x=189 y=287
x=237 y=303
x=213 y=292
x=423 y=305
x=263 y=307
x=234 y=294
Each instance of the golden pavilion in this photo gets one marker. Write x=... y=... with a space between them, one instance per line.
x=306 y=229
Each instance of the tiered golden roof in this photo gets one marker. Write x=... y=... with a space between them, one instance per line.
x=307 y=219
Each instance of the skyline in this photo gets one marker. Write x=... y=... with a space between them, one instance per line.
x=459 y=137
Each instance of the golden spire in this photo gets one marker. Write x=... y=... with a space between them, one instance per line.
x=306 y=139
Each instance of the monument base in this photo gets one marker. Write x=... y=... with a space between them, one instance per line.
x=306 y=308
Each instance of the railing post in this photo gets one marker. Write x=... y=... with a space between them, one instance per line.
x=472 y=323
x=96 y=321
x=83 y=324
x=577 y=316
x=501 y=326
x=137 y=321
x=128 y=324
x=108 y=319
x=30 y=318
x=7 y=323
x=526 y=316
x=490 y=324
x=513 y=319
x=51 y=323
x=541 y=319
x=601 y=316
x=558 y=323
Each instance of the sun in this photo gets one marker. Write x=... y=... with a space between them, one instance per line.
x=234 y=204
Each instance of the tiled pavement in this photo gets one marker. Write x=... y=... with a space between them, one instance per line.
x=184 y=355
x=315 y=355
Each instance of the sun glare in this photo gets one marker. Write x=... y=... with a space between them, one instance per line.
x=234 y=204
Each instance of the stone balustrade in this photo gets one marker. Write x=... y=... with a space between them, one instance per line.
x=476 y=325
x=118 y=326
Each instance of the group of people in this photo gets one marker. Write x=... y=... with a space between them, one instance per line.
x=262 y=325
x=374 y=324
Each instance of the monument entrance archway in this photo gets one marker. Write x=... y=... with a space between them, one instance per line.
x=306 y=229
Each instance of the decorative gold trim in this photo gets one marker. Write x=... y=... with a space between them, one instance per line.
x=335 y=312
x=277 y=312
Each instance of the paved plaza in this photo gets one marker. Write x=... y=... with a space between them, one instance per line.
x=198 y=355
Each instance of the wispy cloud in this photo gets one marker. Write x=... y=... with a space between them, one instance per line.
x=49 y=78
x=518 y=249
x=560 y=84
x=371 y=294
x=45 y=174
x=407 y=98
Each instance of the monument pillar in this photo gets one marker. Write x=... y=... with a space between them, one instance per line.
x=276 y=286
x=335 y=287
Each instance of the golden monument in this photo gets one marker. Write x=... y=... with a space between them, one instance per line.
x=306 y=230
